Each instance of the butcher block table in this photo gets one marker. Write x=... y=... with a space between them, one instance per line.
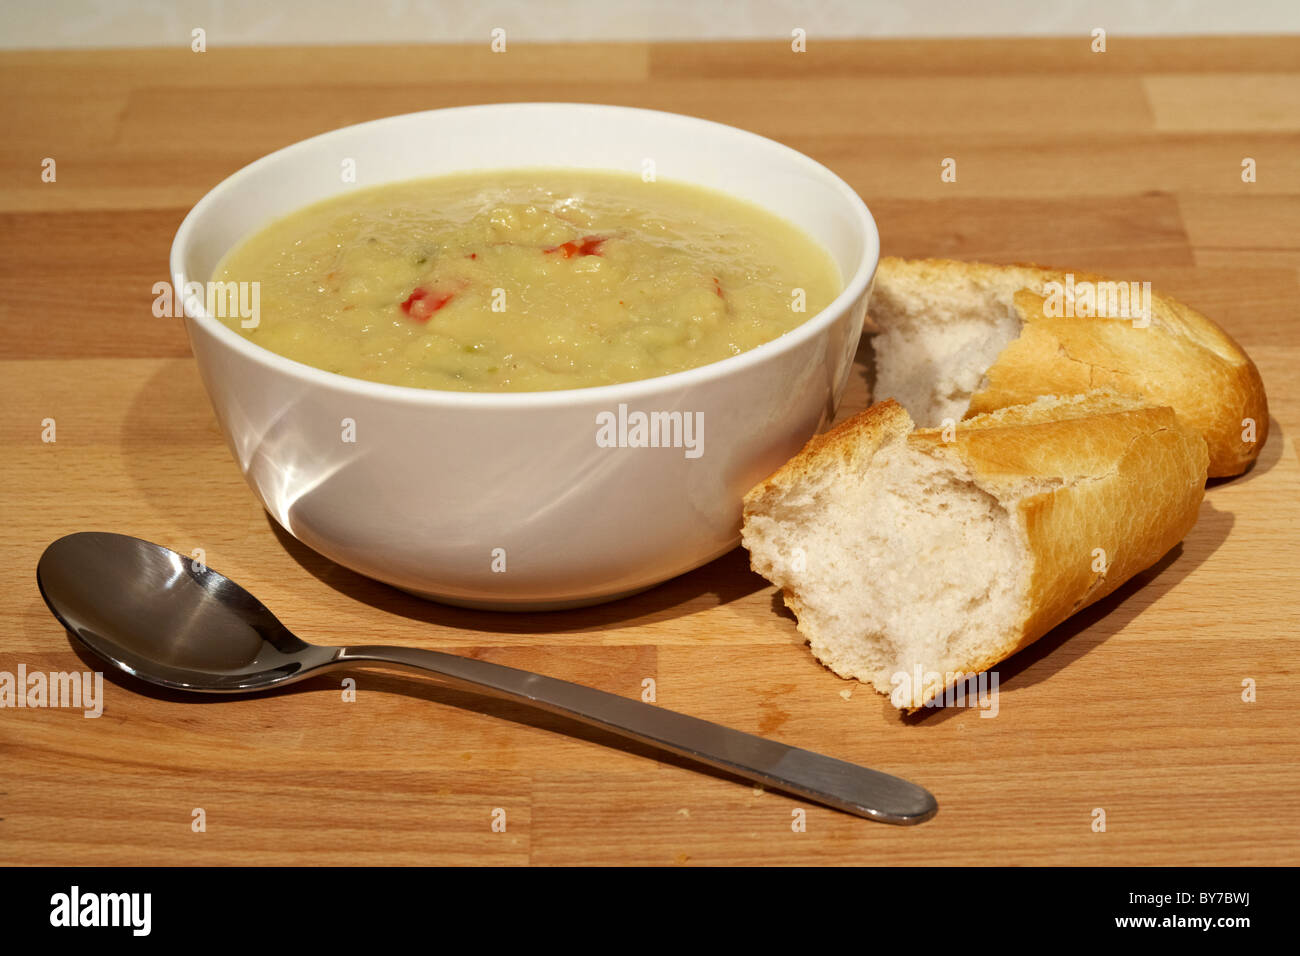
x=1127 y=162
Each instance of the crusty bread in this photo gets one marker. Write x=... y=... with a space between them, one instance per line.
x=962 y=338
x=943 y=551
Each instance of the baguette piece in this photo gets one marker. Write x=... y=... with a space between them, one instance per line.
x=963 y=338
x=907 y=551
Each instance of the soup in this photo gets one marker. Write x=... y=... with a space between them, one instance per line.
x=527 y=280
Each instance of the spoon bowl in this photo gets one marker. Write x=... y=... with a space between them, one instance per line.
x=166 y=618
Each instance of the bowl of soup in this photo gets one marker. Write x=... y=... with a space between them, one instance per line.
x=523 y=356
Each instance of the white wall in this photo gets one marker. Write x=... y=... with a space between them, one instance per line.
x=111 y=23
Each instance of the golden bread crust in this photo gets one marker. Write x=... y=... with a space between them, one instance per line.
x=1181 y=359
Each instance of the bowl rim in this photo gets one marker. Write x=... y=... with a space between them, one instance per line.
x=604 y=395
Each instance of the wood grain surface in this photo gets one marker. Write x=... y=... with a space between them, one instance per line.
x=1124 y=162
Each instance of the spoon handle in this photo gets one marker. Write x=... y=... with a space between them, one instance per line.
x=825 y=780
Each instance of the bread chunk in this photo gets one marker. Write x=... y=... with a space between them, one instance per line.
x=944 y=551
x=956 y=339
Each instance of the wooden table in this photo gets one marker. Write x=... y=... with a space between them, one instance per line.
x=1128 y=161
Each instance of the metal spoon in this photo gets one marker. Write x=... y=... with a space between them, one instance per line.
x=161 y=617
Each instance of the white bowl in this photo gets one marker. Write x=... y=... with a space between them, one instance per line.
x=436 y=482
